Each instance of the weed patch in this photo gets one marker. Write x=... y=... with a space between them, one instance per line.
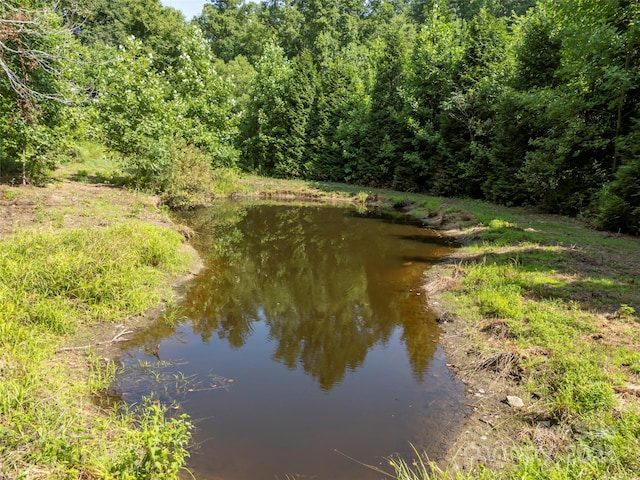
x=51 y=284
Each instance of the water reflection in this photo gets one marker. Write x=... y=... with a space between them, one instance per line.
x=327 y=287
x=316 y=314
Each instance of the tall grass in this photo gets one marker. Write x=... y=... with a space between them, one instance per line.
x=50 y=284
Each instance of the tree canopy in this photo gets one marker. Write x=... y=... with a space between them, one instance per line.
x=513 y=101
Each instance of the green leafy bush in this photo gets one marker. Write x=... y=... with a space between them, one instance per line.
x=191 y=181
x=619 y=201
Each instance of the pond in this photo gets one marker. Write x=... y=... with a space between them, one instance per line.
x=305 y=348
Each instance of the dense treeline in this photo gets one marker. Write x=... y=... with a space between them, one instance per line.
x=512 y=101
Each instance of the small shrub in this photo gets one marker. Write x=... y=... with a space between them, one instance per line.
x=362 y=197
x=619 y=202
x=226 y=181
x=626 y=312
x=189 y=180
x=165 y=441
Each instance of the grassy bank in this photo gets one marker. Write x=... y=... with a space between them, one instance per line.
x=545 y=309
x=74 y=264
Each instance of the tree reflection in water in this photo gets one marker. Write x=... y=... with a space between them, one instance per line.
x=328 y=286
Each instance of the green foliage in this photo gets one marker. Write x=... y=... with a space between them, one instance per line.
x=274 y=133
x=619 y=201
x=50 y=284
x=190 y=181
x=386 y=129
x=163 y=442
x=36 y=54
x=538 y=51
x=202 y=100
x=539 y=107
x=141 y=114
x=159 y=29
x=234 y=29
x=135 y=117
x=264 y=130
x=337 y=125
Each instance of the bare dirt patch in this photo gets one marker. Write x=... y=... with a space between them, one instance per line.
x=68 y=204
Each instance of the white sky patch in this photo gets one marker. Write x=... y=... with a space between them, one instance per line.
x=190 y=8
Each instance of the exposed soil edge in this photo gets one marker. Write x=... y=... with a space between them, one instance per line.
x=492 y=430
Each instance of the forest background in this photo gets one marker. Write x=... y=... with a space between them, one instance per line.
x=512 y=101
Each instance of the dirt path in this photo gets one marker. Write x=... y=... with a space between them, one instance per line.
x=68 y=204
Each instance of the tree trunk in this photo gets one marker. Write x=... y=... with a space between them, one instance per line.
x=24 y=166
x=623 y=96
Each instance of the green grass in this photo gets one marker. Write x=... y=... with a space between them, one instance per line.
x=568 y=294
x=566 y=298
x=52 y=284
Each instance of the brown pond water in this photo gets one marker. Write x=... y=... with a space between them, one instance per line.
x=304 y=347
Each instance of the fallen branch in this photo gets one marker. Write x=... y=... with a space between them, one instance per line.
x=118 y=338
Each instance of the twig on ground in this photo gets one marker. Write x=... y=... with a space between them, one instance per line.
x=118 y=338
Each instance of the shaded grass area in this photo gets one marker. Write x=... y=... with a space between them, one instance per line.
x=52 y=284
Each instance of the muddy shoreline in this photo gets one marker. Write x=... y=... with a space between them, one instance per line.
x=491 y=429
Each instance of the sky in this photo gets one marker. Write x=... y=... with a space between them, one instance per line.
x=190 y=8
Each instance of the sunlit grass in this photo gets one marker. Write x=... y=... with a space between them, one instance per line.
x=567 y=294
x=50 y=285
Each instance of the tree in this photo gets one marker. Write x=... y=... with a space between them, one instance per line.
x=538 y=51
x=158 y=29
x=262 y=133
x=468 y=9
x=383 y=150
x=202 y=99
x=591 y=107
x=234 y=28
x=136 y=117
x=467 y=124
x=35 y=48
x=338 y=121
x=619 y=200
x=435 y=59
x=299 y=98
x=274 y=133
